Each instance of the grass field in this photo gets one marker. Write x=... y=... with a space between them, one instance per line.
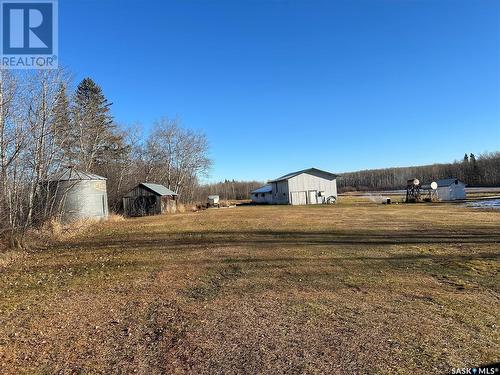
x=350 y=288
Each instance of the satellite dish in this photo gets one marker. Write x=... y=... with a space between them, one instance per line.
x=434 y=185
x=413 y=181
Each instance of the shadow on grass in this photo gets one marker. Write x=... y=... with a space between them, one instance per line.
x=283 y=238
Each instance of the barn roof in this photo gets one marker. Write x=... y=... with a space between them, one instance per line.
x=447 y=182
x=157 y=189
x=263 y=189
x=72 y=174
x=312 y=171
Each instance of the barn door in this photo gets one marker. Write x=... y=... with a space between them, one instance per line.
x=299 y=197
x=312 y=197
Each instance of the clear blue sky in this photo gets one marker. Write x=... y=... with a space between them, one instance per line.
x=279 y=86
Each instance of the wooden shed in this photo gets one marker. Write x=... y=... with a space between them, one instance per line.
x=149 y=199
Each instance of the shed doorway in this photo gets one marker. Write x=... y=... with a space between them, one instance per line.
x=299 y=197
x=312 y=197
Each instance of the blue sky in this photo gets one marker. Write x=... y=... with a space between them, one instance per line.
x=279 y=86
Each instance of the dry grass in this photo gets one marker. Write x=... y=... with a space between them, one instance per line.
x=181 y=208
x=8 y=256
x=54 y=231
x=349 y=288
x=113 y=218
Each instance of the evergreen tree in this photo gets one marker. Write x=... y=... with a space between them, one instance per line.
x=61 y=125
x=95 y=139
x=475 y=175
x=464 y=171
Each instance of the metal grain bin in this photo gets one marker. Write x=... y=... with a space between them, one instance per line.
x=78 y=195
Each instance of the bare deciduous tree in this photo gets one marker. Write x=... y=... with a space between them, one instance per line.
x=175 y=156
x=27 y=142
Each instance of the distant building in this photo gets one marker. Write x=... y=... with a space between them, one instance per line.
x=309 y=186
x=450 y=189
x=264 y=194
x=149 y=199
x=213 y=201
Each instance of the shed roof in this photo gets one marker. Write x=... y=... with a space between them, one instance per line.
x=72 y=174
x=311 y=171
x=157 y=189
x=448 y=181
x=263 y=189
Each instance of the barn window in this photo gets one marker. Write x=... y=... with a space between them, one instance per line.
x=262 y=195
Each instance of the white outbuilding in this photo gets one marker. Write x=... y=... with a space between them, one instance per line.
x=213 y=201
x=450 y=189
x=308 y=186
x=262 y=195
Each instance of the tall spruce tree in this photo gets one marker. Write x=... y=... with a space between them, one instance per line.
x=61 y=126
x=465 y=170
x=95 y=139
x=475 y=175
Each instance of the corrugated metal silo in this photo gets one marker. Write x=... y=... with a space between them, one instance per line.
x=79 y=195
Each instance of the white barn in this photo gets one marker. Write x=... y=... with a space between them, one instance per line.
x=264 y=194
x=450 y=189
x=309 y=186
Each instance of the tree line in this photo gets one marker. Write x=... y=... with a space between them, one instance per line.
x=45 y=126
x=226 y=190
x=483 y=170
